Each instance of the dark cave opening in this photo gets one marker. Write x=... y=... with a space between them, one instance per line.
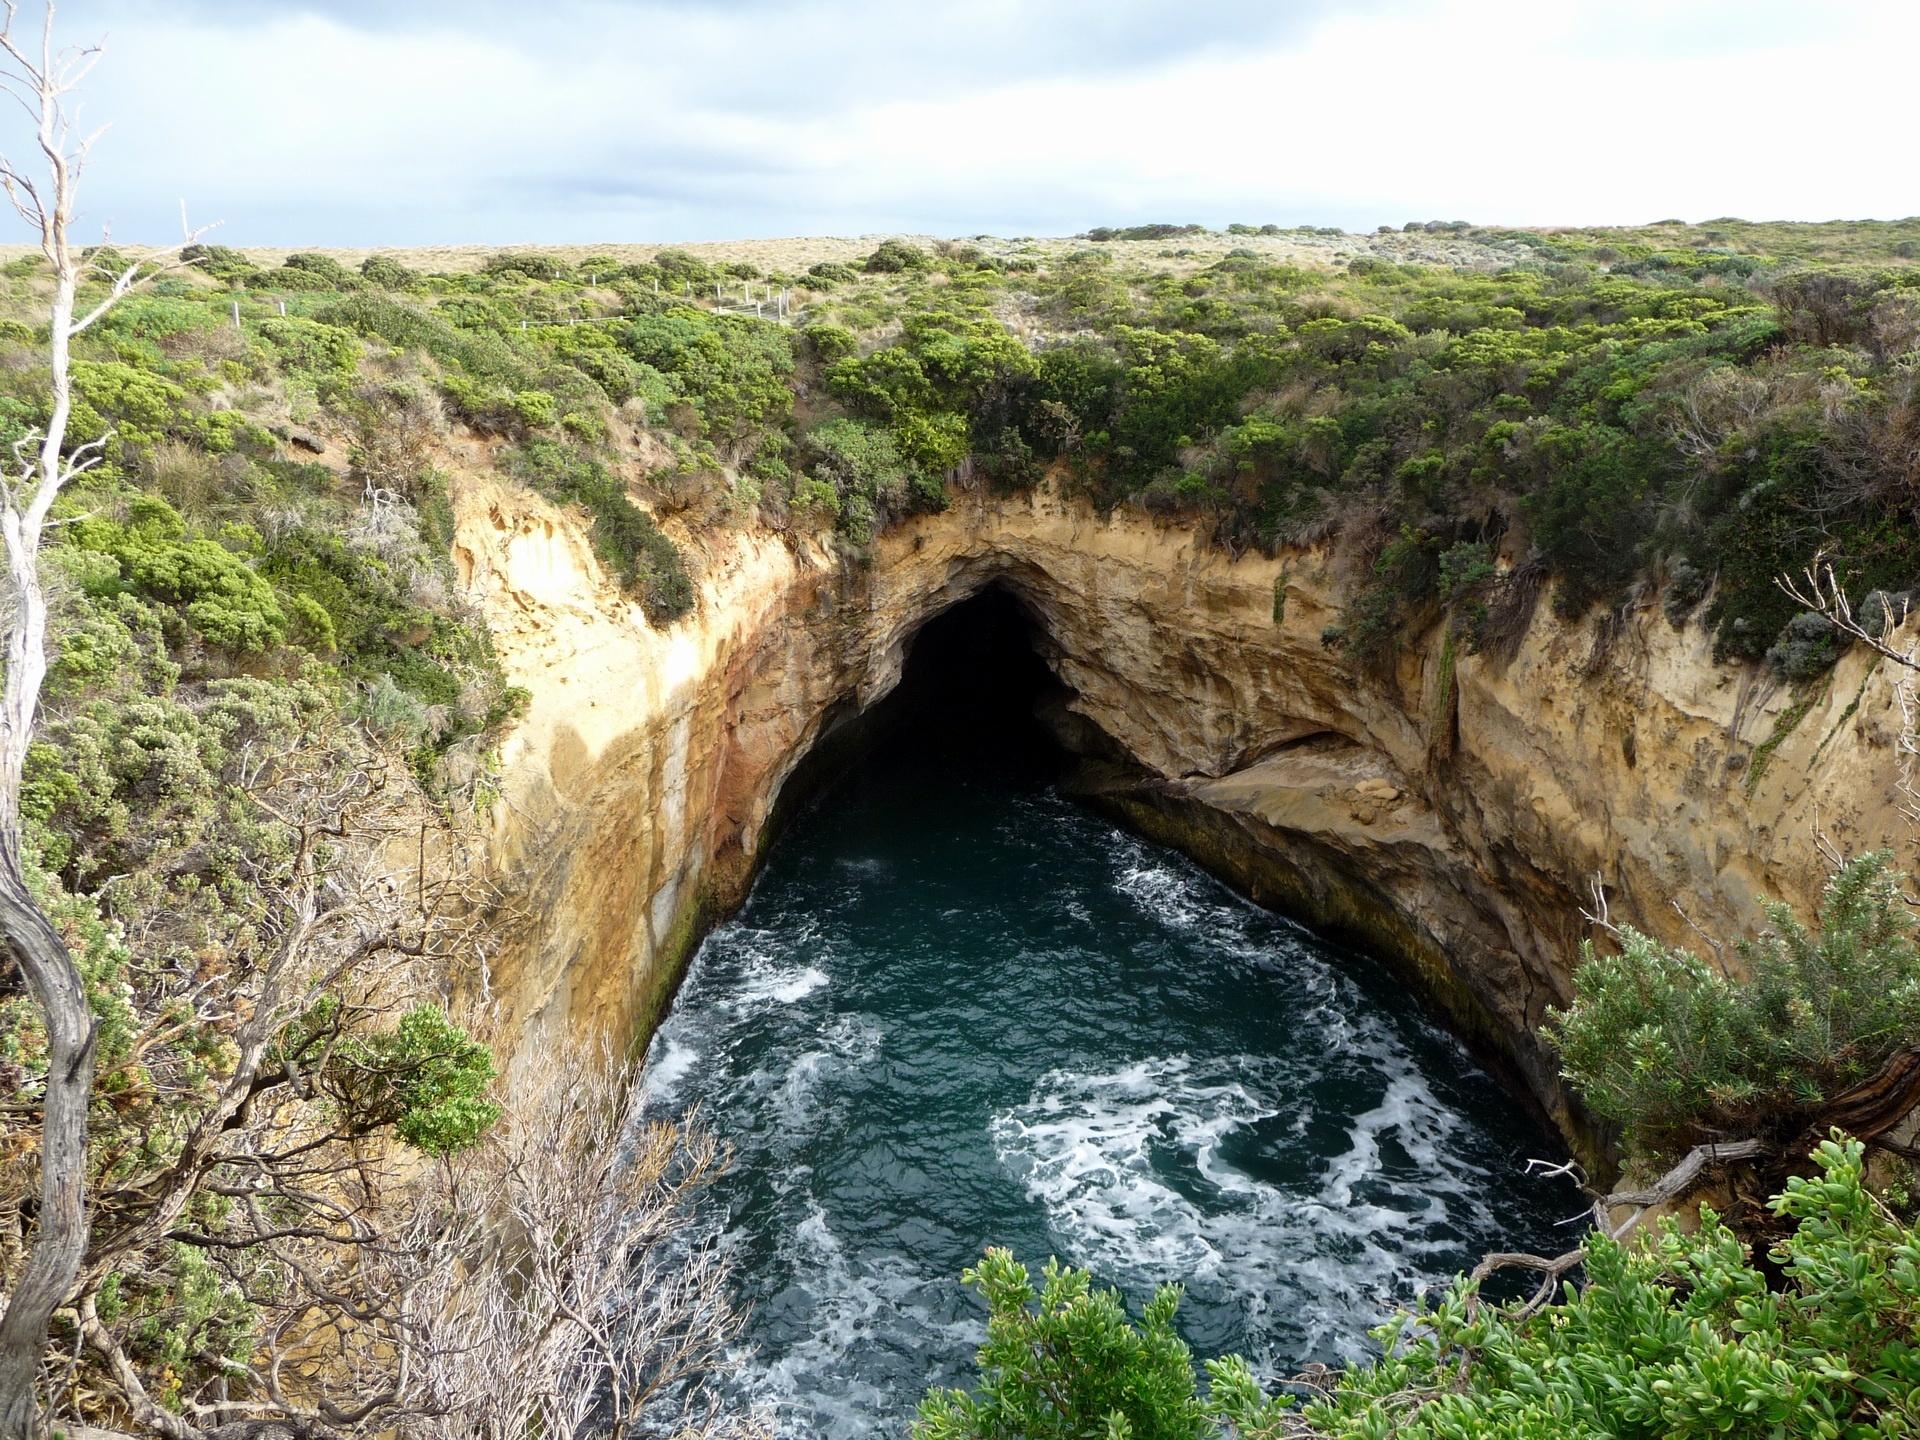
x=975 y=694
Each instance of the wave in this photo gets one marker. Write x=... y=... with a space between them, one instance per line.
x=1134 y=1169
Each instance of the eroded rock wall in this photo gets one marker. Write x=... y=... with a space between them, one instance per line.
x=1452 y=814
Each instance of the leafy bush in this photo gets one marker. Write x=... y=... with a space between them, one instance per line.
x=1675 y=1051
x=1681 y=1339
x=227 y=603
x=891 y=257
x=1806 y=649
x=862 y=477
x=310 y=347
x=1067 y=1363
x=733 y=369
x=425 y=1078
x=309 y=270
x=389 y=274
x=533 y=267
x=1147 y=232
x=678 y=268
x=221 y=262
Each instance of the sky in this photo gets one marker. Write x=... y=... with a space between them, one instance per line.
x=407 y=122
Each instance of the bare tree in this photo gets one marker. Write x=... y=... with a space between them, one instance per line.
x=359 y=897
x=567 y=1289
x=39 y=77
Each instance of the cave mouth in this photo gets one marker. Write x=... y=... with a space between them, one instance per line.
x=975 y=695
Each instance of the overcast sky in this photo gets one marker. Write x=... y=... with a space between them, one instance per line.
x=444 y=121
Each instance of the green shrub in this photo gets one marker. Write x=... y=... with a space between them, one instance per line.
x=862 y=477
x=309 y=347
x=1685 y=1338
x=1673 y=1050
x=1806 y=649
x=678 y=268
x=225 y=601
x=389 y=274
x=309 y=270
x=533 y=267
x=732 y=369
x=424 y=1077
x=891 y=257
x=1067 y=1363
x=1145 y=232
x=222 y=263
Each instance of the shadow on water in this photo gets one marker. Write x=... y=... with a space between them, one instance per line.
x=959 y=1009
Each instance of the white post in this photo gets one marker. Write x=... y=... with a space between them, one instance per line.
x=236 y=314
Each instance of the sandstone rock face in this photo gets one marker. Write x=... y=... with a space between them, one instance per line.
x=1454 y=814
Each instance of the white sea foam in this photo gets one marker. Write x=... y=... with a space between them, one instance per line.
x=1162 y=893
x=1130 y=1168
x=812 y=1387
x=781 y=986
x=665 y=1070
x=1086 y=1144
x=847 y=1043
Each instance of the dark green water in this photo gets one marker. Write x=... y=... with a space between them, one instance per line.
x=960 y=1010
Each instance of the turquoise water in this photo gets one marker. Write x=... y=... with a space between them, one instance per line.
x=960 y=1010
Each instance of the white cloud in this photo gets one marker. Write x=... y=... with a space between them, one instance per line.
x=661 y=121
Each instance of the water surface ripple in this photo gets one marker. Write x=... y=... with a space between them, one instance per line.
x=959 y=1010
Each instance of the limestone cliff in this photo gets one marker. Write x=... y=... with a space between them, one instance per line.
x=1452 y=815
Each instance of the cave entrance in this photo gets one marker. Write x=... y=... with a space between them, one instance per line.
x=975 y=693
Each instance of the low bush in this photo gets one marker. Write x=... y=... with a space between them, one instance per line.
x=1676 y=1051
x=891 y=257
x=309 y=270
x=1146 y=232
x=832 y=272
x=1684 y=1338
x=389 y=274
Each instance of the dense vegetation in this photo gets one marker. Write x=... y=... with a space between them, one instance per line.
x=1687 y=411
x=1066 y=1363
x=1681 y=411
x=1686 y=1336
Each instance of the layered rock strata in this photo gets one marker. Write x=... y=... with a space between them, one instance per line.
x=1454 y=815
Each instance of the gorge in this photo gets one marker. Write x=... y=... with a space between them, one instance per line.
x=959 y=1008
x=1450 y=816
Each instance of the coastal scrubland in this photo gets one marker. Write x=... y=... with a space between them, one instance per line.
x=259 y=628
